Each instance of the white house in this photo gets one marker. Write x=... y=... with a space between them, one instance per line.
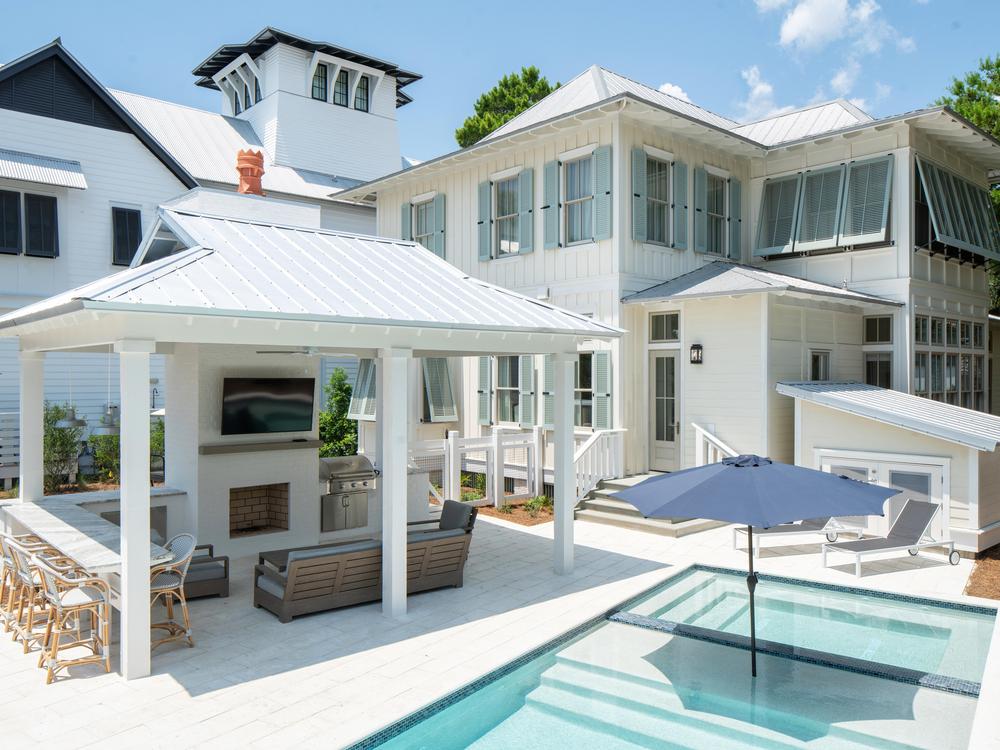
x=83 y=170
x=819 y=245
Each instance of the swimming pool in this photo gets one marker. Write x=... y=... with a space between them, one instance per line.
x=612 y=685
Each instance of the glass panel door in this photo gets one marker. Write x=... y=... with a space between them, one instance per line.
x=663 y=410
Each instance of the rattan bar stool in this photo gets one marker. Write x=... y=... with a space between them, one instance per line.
x=71 y=595
x=167 y=584
x=29 y=609
x=9 y=581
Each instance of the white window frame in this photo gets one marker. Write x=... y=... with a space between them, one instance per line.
x=719 y=174
x=497 y=218
x=498 y=389
x=661 y=157
x=415 y=207
x=567 y=202
x=826 y=356
x=578 y=393
x=668 y=340
x=864 y=331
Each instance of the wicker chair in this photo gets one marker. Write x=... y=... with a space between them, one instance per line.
x=71 y=595
x=29 y=609
x=9 y=580
x=167 y=584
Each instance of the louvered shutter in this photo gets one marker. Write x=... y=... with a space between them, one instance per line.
x=680 y=196
x=362 y=406
x=485 y=224
x=639 y=194
x=550 y=207
x=406 y=221
x=866 y=204
x=819 y=209
x=437 y=386
x=485 y=391
x=437 y=237
x=602 y=193
x=602 y=390
x=548 y=392
x=527 y=385
x=525 y=209
x=735 y=219
x=700 y=210
x=778 y=214
x=961 y=213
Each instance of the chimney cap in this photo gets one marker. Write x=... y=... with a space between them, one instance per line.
x=250 y=166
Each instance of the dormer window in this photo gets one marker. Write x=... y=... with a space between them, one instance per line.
x=319 y=83
x=341 y=89
x=361 y=95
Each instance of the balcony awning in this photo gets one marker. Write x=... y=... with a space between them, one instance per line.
x=44 y=170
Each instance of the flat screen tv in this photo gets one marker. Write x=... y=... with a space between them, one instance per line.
x=253 y=406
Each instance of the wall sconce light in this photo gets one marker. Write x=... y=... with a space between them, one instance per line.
x=697 y=354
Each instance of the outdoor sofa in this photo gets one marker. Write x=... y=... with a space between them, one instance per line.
x=207 y=575
x=316 y=579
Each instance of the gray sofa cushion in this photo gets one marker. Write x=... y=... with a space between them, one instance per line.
x=271 y=586
x=205 y=571
x=455 y=515
x=333 y=549
x=430 y=536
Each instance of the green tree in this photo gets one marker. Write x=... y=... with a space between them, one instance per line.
x=338 y=433
x=60 y=447
x=976 y=97
x=513 y=94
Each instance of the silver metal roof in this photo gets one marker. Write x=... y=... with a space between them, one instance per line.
x=206 y=143
x=722 y=279
x=597 y=84
x=934 y=418
x=240 y=268
x=45 y=170
x=804 y=123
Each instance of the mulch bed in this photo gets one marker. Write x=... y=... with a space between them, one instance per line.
x=519 y=515
x=985 y=578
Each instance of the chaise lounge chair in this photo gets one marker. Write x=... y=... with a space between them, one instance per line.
x=910 y=531
x=830 y=526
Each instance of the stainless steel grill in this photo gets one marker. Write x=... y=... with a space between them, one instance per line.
x=347 y=474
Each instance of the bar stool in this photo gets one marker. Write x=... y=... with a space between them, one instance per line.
x=71 y=595
x=29 y=609
x=9 y=582
x=167 y=584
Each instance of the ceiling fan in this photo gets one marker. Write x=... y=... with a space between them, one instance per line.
x=308 y=351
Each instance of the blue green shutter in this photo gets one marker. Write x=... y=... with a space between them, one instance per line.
x=639 y=188
x=485 y=219
x=550 y=206
x=526 y=375
x=437 y=238
x=437 y=387
x=680 y=196
x=525 y=208
x=601 y=374
x=602 y=193
x=406 y=222
x=865 y=216
x=735 y=219
x=485 y=391
x=700 y=210
x=548 y=392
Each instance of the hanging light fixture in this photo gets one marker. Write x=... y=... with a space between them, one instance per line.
x=109 y=420
x=70 y=420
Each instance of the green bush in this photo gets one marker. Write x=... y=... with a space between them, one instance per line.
x=157 y=438
x=106 y=450
x=60 y=447
x=506 y=509
x=338 y=433
x=469 y=495
x=475 y=485
x=536 y=504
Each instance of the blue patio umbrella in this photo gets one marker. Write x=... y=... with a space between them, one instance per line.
x=755 y=491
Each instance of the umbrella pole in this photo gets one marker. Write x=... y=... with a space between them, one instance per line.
x=751 y=585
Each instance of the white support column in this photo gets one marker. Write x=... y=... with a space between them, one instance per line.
x=393 y=416
x=565 y=477
x=135 y=616
x=453 y=464
x=31 y=485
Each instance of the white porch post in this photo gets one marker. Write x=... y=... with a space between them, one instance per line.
x=565 y=476
x=135 y=619
x=31 y=428
x=394 y=418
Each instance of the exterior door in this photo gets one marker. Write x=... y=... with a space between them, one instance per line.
x=663 y=411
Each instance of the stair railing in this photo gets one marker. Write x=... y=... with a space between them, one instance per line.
x=709 y=449
x=602 y=456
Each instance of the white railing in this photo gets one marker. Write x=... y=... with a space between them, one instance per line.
x=708 y=449
x=601 y=457
x=10 y=449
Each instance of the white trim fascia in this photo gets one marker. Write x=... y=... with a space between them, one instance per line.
x=243 y=59
x=718 y=172
x=577 y=153
x=504 y=174
x=658 y=153
x=765 y=362
x=423 y=197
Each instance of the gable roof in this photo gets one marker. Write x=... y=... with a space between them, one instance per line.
x=252 y=269
x=804 y=122
x=267 y=37
x=723 y=279
x=206 y=144
x=103 y=111
x=597 y=84
x=935 y=418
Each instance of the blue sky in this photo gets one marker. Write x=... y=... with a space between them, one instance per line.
x=741 y=58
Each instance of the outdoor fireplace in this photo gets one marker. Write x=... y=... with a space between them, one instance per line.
x=259 y=509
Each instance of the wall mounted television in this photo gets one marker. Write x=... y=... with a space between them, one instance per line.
x=252 y=406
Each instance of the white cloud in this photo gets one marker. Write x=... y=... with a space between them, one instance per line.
x=675 y=91
x=882 y=91
x=843 y=80
x=906 y=44
x=858 y=102
x=760 y=101
x=813 y=24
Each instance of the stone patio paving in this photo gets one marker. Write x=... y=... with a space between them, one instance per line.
x=330 y=679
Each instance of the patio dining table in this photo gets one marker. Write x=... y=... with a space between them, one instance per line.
x=85 y=537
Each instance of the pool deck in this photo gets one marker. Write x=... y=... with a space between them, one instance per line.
x=333 y=678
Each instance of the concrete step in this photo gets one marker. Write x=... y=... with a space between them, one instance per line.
x=651 y=525
x=598 y=501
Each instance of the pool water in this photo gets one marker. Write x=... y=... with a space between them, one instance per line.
x=925 y=637
x=617 y=686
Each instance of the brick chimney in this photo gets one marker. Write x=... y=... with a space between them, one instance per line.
x=250 y=165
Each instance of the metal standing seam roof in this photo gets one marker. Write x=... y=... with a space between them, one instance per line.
x=723 y=278
x=934 y=418
x=45 y=170
x=240 y=268
x=803 y=123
